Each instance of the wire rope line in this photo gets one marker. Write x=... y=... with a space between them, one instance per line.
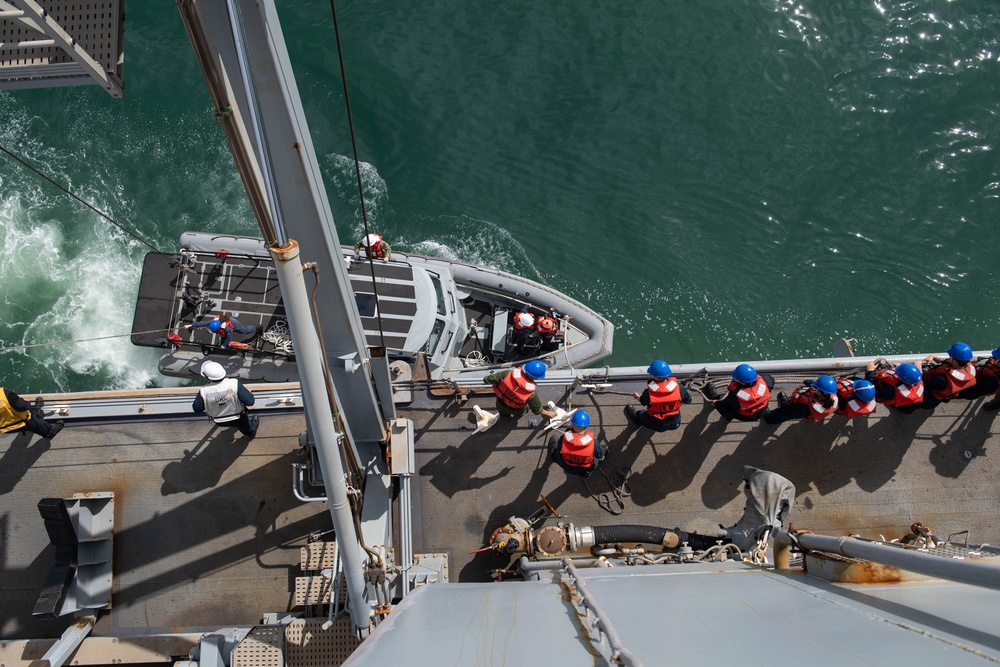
x=81 y=340
x=357 y=166
x=84 y=202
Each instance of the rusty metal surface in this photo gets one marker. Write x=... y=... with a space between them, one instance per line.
x=851 y=571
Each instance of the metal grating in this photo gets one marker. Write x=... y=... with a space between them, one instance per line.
x=95 y=26
x=318 y=555
x=261 y=648
x=309 y=645
x=311 y=590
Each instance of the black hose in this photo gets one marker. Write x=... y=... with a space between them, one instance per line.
x=629 y=533
x=652 y=535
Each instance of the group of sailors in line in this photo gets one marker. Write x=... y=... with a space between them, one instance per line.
x=905 y=387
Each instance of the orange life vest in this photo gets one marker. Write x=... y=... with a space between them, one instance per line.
x=810 y=396
x=958 y=379
x=905 y=394
x=849 y=404
x=223 y=325
x=664 y=398
x=515 y=389
x=577 y=449
x=547 y=325
x=751 y=399
x=989 y=369
x=375 y=249
x=524 y=321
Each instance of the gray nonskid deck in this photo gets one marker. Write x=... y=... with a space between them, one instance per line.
x=208 y=531
x=206 y=527
x=869 y=476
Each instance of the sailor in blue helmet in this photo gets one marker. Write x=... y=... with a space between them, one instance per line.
x=901 y=387
x=747 y=395
x=855 y=398
x=578 y=451
x=224 y=325
x=662 y=399
x=815 y=400
x=987 y=381
x=516 y=390
x=946 y=377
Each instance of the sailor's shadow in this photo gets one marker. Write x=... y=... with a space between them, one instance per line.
x=962 y=443
x=873 y=456
x=804 y=453
x=19 y=458
x=203 y=466
x=723 y=482
x=453 y=468
x=676 y=469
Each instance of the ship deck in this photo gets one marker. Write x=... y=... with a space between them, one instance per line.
x=208 y=532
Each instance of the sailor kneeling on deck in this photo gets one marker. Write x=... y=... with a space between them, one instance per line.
x=662 y=397
x=225 y=400
x=815 y=400
x=515 y=390
x=16 y=414
x=577 y=451
x=747 y=397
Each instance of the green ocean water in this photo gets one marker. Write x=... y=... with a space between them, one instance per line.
x=724 y=181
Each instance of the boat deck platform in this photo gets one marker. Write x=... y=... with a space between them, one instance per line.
x=208 y=532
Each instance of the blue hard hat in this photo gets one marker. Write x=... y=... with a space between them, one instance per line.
x=864 y=390
x=826 y=384
x=908 y=373
x=214 y=326
x=745 y=374
x=581 y=419
x=960 y=352
x=996 y=353
x=659 y=369
x=535 y=370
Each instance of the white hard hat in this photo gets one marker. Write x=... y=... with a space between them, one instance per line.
x=213 y=370
x=372 y=239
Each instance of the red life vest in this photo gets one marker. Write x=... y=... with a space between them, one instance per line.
x=849 y=405
x=958 y=379
x=751 y=399
x=523 y=321
x=375 y=249
x=810 y=396
x=664 y=398
x=905 y=394
x=223 y=325
x=515 y=389
x=989 y=369
x=577 y=449
x=548 y=325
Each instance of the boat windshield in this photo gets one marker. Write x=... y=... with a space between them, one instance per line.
x=435 y=337
x=439 y=293
x=366 y=304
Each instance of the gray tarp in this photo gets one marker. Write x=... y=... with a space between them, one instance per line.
x=769 y=499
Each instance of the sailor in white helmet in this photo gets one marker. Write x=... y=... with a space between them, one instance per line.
x=374 y=247
x=225 y=400
x=523 y=328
